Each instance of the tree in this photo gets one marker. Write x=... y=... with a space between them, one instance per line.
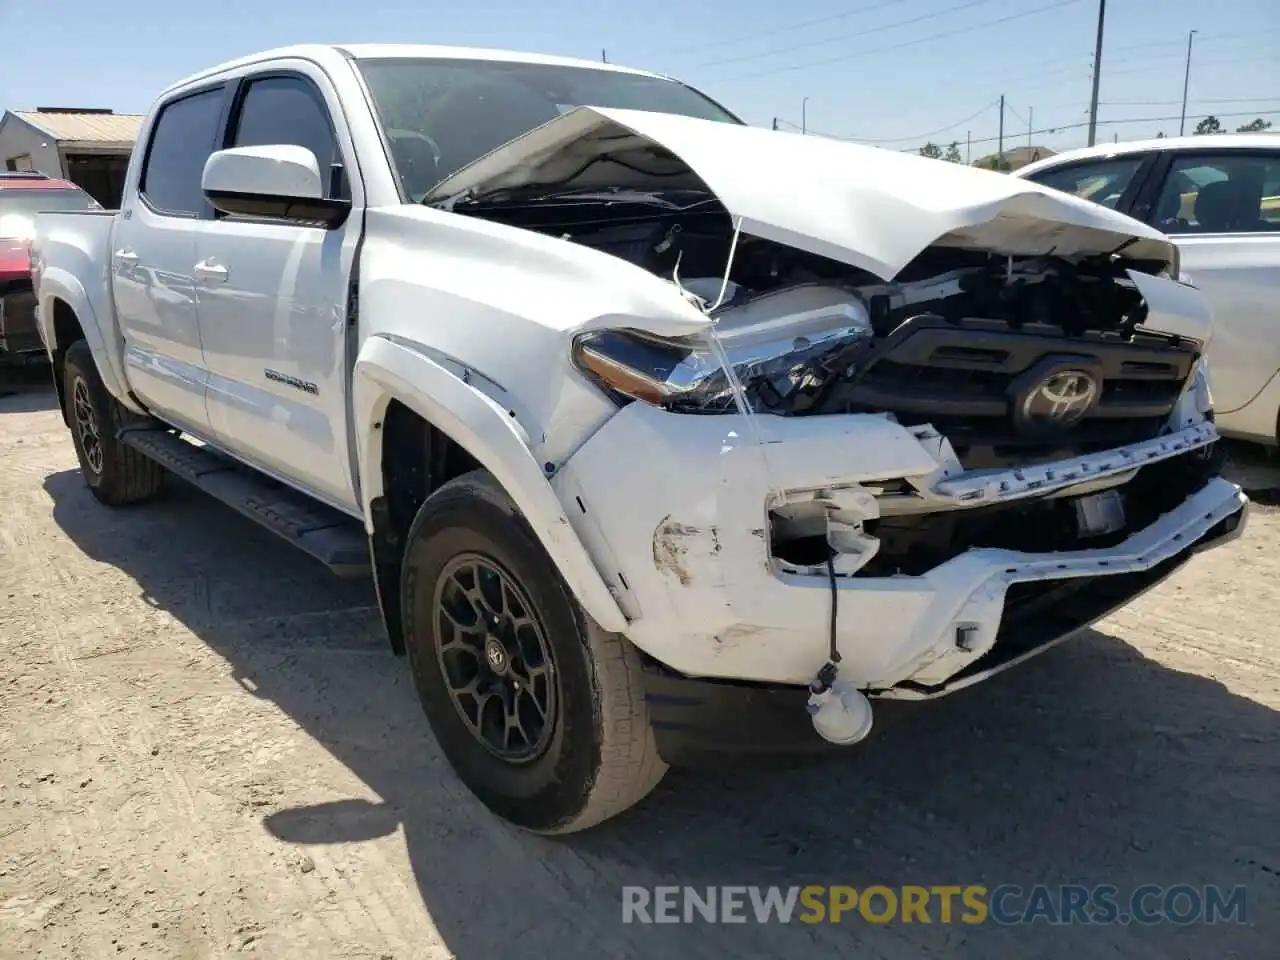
x=994 y=162
x=953 y=153
x=931 y=150
x=1160 y=135
x=1209 y=124
x=1255 y=126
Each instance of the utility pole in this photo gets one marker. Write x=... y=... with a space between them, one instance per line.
x=1000 y=147
x=603 y=56
x=775 y=123
x=1186 y=82
x=804 y=121
x=1097 y=73
x=968 y=148
x=1031 y=112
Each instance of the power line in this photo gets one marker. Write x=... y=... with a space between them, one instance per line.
x=910 y=43
x=1174 y=103
x=1006 y=81
x=1199 y=63
x=844 y=38
x=917 y=136
x=1050 y=68
x=1207 y=38
x=1181 y=54
x=788 y=28
x=1075 y=126
x=931 y=133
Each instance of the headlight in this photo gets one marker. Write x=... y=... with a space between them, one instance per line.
x=779 y=354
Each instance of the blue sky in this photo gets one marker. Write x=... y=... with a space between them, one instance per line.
x=875 y=70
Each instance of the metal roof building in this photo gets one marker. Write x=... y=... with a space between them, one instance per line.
x=88 y=147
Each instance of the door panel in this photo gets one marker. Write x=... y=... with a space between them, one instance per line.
x=1214 y=206
x=1241 y=277
x=154 y=246
x=155 y=302
x=274 y=330
x=273 y=309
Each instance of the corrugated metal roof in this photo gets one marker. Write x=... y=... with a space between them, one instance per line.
x=85 y=127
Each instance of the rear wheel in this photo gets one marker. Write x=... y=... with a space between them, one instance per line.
x=116 y=474
x=539 y=710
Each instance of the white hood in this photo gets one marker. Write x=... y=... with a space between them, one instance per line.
x=874 y=209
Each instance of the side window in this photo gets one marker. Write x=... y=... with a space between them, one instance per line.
x=1230 y=192
x=1103 y=181
x=183 y=138
x=288 y=110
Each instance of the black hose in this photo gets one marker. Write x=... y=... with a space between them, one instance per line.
x=827 y=675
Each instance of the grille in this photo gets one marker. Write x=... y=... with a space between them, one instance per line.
x=964 y=381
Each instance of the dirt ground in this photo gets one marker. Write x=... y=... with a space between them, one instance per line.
x=206 y=749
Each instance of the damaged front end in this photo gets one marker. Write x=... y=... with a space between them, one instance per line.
x=1002 y=364
x=898 y=458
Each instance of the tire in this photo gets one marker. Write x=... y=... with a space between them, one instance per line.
x=598 y=755
x=116 y=474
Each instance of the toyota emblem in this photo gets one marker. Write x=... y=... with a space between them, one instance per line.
x=1062 y=398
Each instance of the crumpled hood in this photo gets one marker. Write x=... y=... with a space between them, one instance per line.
x=871 y=208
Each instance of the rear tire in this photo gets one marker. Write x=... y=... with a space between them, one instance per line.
x=116 y=474
x=472 y=568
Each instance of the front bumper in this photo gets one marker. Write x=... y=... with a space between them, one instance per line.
x=674 y=511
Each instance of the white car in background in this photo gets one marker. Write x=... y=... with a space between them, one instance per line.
x=1218 y=198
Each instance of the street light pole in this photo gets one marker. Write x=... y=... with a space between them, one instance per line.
x=1186 y=82
x=1097 y=73
x=804 y=121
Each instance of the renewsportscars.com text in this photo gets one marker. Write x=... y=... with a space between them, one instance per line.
x=972 y=904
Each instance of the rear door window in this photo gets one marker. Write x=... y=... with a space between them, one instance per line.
x=1227 y=192
x=184 y=136
x=1102 y=181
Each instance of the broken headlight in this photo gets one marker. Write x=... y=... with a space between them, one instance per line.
x=779 y=359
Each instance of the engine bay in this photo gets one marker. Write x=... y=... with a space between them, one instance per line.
x=953 y=341
x=686 y=233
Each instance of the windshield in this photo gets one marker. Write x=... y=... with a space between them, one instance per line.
x=19 y=206
x=440 y=115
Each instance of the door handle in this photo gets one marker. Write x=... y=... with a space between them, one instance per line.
x=210 y=271
x=126 y=256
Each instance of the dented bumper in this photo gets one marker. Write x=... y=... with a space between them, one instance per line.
x=674 y=510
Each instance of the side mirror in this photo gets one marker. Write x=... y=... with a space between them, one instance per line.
x=278 y=182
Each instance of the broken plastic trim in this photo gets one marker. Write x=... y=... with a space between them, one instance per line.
x=977 y=487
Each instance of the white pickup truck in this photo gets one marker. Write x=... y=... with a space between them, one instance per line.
x=661 y=434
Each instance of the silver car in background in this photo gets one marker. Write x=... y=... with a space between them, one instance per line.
x=1218 y=198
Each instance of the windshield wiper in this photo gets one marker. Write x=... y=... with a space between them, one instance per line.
x=534 y=193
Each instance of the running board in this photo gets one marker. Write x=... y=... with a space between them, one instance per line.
x=333 y=538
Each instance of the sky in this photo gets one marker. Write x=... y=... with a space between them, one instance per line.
x=896 y=73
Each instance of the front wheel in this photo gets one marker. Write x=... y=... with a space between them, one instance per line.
x=539 y=710
x=116 y=474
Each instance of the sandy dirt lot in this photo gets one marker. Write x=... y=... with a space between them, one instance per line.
x=208 y=750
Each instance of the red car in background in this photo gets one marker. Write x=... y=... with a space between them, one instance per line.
x=22 y=196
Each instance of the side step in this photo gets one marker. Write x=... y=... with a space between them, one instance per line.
x=333 y=538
